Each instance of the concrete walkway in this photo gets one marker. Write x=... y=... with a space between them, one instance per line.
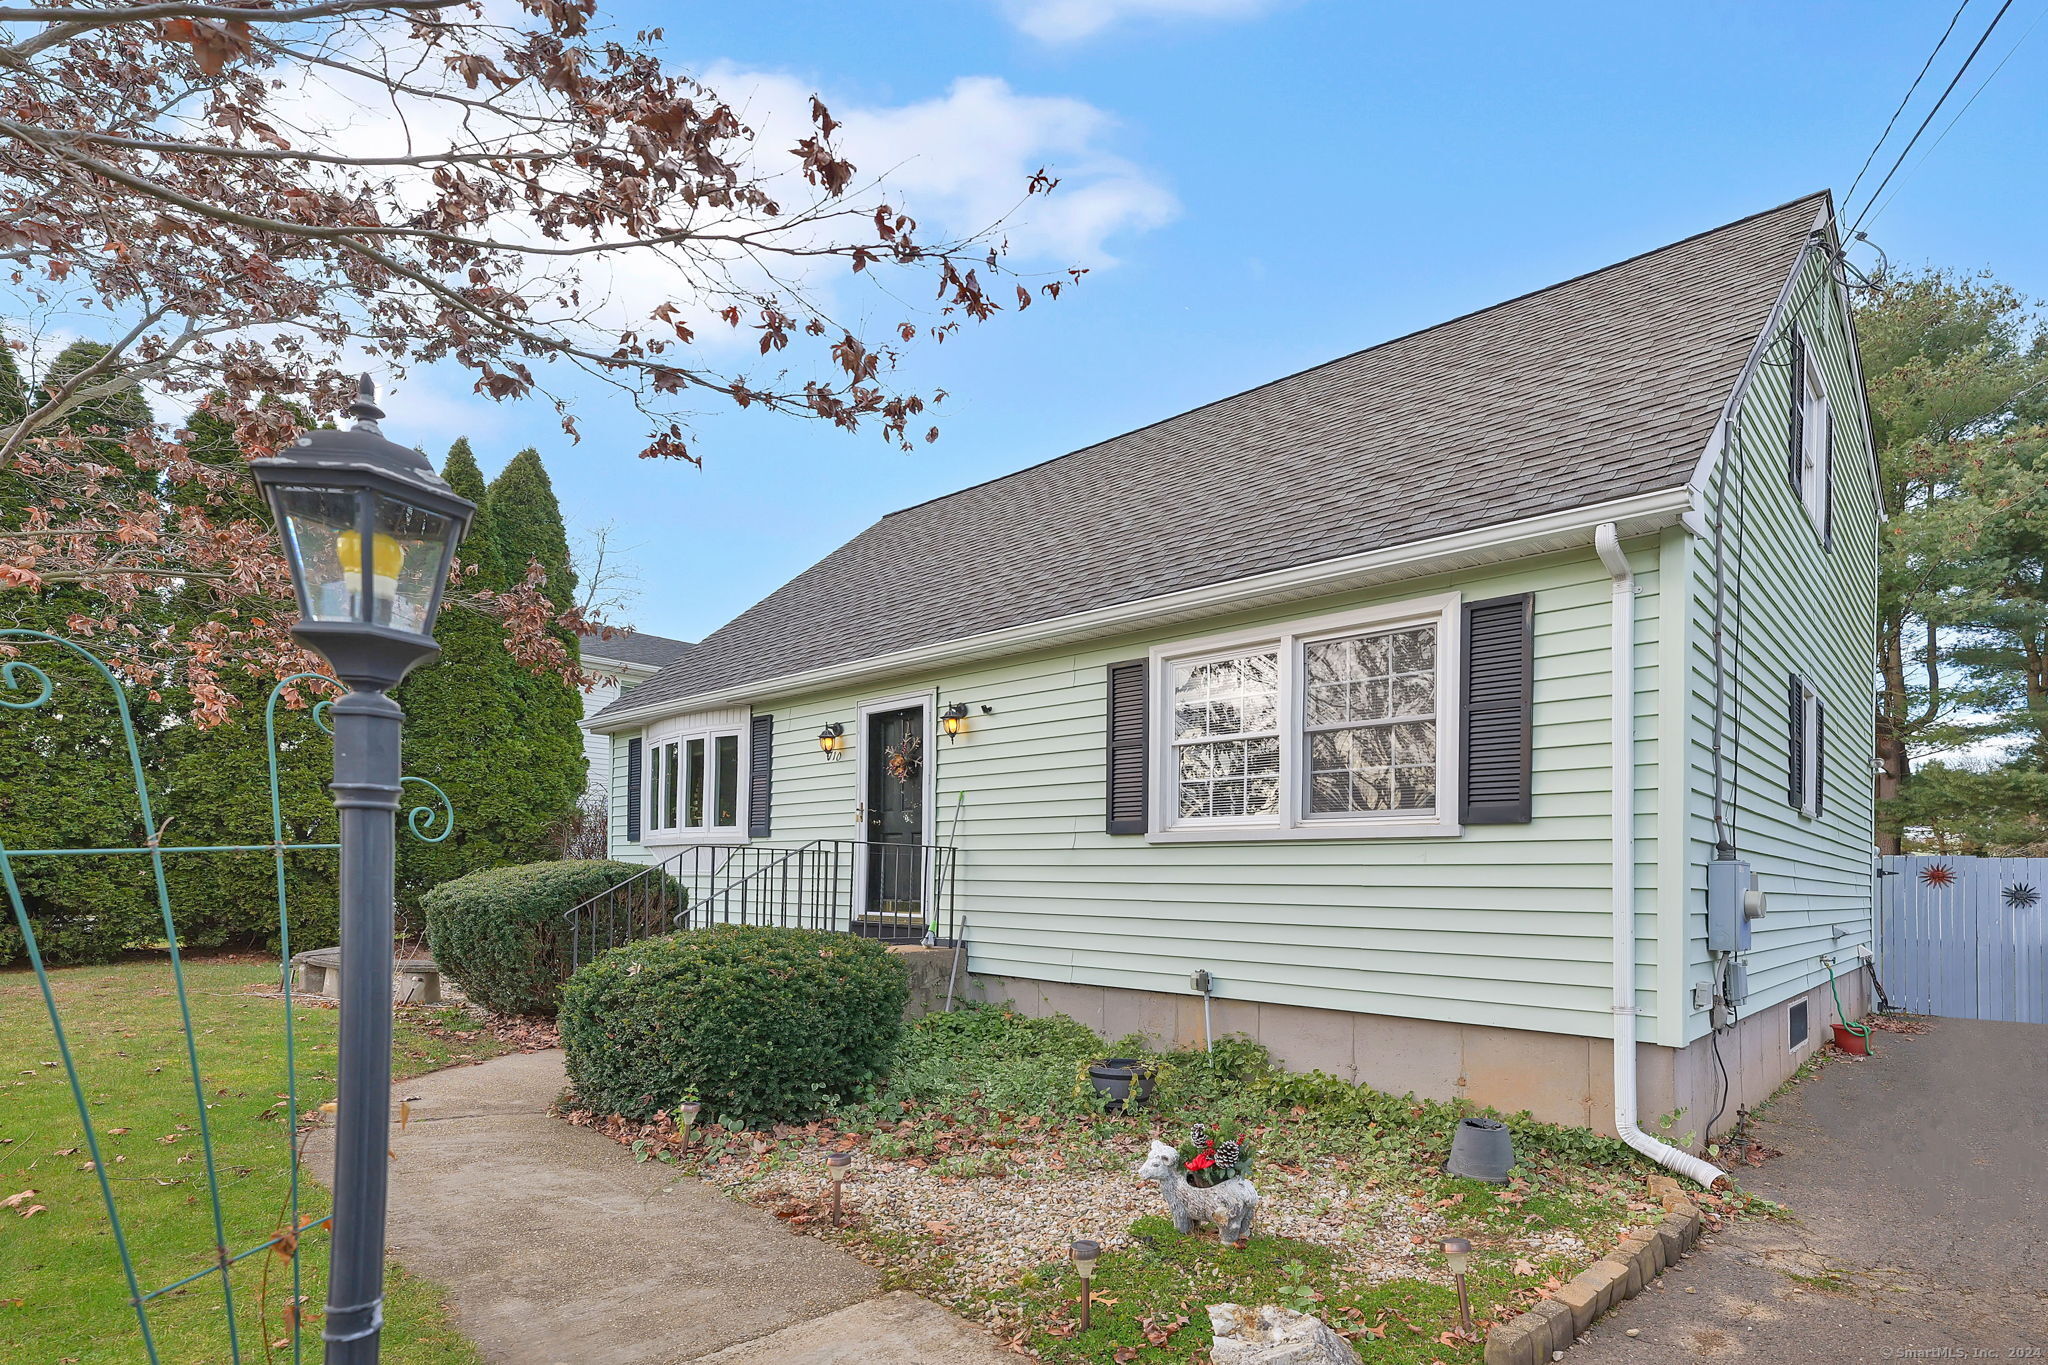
x=557 y=1248
x=1921 y=1200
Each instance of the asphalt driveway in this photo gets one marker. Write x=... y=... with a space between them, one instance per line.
x=1918 y=1182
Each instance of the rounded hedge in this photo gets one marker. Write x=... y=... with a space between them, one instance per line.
x=500 y=935
x=762 y=1024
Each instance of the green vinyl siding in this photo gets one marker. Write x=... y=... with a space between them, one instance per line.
x=1505 y=924
x=1803 y=609
x=622 y=848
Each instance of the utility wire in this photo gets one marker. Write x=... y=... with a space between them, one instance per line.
x=1904 y=101
x=1948 y=90
x=1806 y=294
x=1950 y=126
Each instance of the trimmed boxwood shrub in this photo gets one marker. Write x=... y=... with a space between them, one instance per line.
x=764 y=1024
x=499 y=933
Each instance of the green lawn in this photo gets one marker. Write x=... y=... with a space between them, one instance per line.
x=62 y=1296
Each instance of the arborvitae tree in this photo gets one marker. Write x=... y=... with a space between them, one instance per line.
x=481 y=557
x=104 y=420
x=529 y=525
x=214 y=780
x=14 y=493
x=504 y=744
x=65 y=780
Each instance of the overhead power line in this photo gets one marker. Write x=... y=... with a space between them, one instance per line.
x=1904 y=100
x=1950 y=125
x=1948 y=90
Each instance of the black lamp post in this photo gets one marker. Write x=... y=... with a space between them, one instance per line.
x=370 y=531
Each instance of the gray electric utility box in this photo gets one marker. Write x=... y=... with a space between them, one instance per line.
x=1732 y=902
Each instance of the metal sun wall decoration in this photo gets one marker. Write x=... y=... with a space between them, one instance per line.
x=1941 y=874
x=2021 y=896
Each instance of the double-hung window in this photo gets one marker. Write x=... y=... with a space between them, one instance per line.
x=1814 y=419
x=693 y=784
x=1328 y=728
x=1806 y=747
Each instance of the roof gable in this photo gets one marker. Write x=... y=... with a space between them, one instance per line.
x=1599 y=388
x=631 y=647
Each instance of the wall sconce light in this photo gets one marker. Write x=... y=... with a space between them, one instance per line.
x=1458 y=1256
x=832 y=739
x=954 y=719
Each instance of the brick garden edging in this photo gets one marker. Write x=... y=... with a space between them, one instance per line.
x=1621 y=1274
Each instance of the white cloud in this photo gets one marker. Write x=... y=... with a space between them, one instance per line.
x=1065 y=21
x=960 y=161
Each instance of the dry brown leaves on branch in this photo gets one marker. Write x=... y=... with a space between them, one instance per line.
x=250 y=204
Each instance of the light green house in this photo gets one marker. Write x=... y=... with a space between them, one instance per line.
x=1311 y=690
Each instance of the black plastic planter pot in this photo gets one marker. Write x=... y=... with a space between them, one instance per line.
x=1124 y=1080
x=1482 y=1150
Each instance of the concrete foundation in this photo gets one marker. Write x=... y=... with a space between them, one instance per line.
x=932 y=972
x=1559 y=1078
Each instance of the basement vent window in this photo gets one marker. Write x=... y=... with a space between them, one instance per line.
x=1797 y=1017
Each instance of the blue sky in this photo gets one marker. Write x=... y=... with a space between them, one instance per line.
x=1259 y=187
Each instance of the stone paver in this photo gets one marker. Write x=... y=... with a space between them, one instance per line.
x=1921 y=1227
x=557 y=1248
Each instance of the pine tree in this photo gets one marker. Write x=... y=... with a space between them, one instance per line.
x=64 y=775
x=530 y=526
x=504 y=744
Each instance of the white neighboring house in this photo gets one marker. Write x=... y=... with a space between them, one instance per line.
x=628 y=657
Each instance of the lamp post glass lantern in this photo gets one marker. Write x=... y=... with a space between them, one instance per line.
x=369 y=531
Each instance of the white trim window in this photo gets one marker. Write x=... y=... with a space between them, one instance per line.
x=1814 y=420
x=696 y=785
x=1809 y=747
x=1335 y=727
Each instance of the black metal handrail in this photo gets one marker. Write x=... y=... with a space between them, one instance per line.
x=901 y=893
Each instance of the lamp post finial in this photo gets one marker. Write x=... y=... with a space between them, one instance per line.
x=365 y=409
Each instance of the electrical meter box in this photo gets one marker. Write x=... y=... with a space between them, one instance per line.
x=1733 y=901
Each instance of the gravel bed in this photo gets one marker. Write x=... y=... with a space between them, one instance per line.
x=998 y=1226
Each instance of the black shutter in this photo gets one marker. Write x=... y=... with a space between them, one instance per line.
x=1797 y=407
x=1125 y=799
x=1820 y=756
x=760 y=775
x=1795 y=743
x=633 y=795
x=1499 y=707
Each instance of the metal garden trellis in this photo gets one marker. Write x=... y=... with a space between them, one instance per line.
x=34 y=689
x=369 y=533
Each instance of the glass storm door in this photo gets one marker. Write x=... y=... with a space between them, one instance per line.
x=894 y=745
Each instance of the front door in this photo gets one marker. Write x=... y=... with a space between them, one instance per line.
x=894 y=746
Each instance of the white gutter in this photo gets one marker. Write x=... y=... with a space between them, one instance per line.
x=1622 y=654
x=1540 y=534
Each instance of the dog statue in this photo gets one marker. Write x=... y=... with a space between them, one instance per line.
x=1230 y=1205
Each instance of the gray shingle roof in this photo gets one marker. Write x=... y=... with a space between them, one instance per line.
x=635 y=647
x=1601 y=387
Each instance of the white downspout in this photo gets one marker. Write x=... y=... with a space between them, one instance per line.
x=1622 y=655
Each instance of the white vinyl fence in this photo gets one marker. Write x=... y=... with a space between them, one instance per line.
x=1966 y=938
